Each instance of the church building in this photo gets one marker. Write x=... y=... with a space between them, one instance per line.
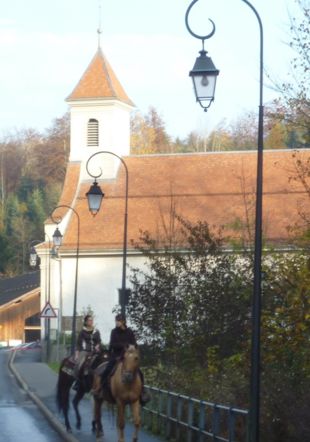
x=217 y=187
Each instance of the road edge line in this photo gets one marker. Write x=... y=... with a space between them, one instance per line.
x=54 y=422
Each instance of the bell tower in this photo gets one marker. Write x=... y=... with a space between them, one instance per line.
x=100 y=114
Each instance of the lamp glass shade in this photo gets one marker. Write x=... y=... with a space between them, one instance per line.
x=94 y=198
x=204 y=85
x=57 y=238
x=33 y=257
x=204 y=75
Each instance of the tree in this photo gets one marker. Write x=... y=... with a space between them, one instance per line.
x=293 y=106
x=148 y=133
x=47 y=158
x=193 y=297
x=285 y=348
x=191 y=307
x=32 y=170
x=277 y=136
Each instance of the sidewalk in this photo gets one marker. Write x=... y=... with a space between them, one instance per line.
x=41 y=382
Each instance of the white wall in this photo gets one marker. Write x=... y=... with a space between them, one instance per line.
x=114 y=128
x=99 y=279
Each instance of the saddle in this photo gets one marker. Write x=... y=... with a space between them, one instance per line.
x=69 y=366
x=87 y=365
x=100 y=390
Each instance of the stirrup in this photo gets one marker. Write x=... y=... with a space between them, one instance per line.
x=76 y=385
x=145 y=397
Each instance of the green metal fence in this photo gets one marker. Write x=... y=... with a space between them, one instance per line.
x=182 y=418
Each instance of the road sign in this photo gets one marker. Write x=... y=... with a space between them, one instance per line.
x=48 y=311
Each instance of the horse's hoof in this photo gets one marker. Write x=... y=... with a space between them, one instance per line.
x=69 y=430
x=78 y=426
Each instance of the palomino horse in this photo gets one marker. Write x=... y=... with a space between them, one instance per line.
x=66 y=379
x=126 y=389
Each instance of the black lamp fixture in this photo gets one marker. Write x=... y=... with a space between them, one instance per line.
x=57 y=238
x=94 y=198
x=33 y=257
x=204 y=73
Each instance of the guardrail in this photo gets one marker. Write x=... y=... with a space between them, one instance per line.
x=182 y=418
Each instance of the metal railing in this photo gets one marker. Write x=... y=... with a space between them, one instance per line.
x=182 y=418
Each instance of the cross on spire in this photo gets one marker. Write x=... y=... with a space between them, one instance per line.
x=99 y=30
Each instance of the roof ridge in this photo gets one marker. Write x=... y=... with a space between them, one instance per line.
x=105 y=67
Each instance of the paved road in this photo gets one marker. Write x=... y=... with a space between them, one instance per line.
x=20 y=419
x=42 y=381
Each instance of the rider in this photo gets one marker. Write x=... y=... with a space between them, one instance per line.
x=121 y=336
x=88 y=343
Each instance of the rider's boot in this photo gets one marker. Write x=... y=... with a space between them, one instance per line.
x=76 y=385
x=145 y=397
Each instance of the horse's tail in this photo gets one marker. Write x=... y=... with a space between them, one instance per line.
x=60 y=386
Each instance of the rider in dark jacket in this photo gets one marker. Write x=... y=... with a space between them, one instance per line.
x=121 y=336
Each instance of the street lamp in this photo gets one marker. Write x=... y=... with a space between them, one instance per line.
x=204 y=73
x=33 y=256
x=257 y=268
x=33 y=262
x=57 y=240
x=95 y=197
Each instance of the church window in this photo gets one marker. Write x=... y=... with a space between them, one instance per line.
x=93 y=132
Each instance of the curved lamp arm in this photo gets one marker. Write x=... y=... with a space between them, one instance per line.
x=95 y=185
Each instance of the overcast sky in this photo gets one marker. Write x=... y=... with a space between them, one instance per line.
x=45 y=46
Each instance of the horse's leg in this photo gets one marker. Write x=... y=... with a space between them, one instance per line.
x=135 y=410
x=93 y=422
x=96 y=423
x=76 y=400
x=63 y=393
x=65 y=409
x=120 y=420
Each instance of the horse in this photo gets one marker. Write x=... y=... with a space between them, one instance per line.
x=66 y=378
x=125 y=389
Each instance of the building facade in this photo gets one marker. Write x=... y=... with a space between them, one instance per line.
x=20 y=308
x=215 y=187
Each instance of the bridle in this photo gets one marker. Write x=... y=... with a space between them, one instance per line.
x=127 y=376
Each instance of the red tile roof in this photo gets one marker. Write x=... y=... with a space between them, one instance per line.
x=213 y=187
x=99 y=82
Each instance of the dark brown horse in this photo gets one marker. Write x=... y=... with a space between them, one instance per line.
x=126 y=389
x=66 y=379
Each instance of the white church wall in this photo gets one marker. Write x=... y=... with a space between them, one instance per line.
x=50 y=268
x=114 y=129
x=99 y=279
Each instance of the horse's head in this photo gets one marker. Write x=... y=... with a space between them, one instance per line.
x=131 y=362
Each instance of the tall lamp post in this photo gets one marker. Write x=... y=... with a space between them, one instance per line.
x=33 y=262
x=57 y=240
x=204 y=78
x=94 y=197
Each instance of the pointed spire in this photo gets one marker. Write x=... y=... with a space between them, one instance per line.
x=99 y=82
